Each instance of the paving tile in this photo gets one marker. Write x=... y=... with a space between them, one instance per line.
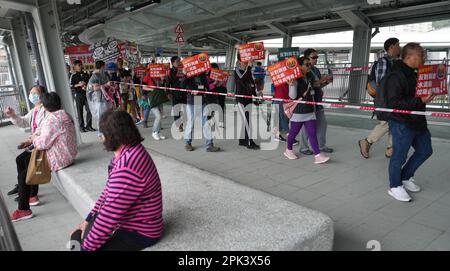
x=435 y=215
x=410 y=236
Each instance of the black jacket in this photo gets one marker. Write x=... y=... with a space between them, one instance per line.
x=76 y=78
x=305 y=91
x=401 y=94
x=196 y=83
x=175 y=81
x=245 y=84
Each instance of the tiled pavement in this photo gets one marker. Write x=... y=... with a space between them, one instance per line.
x=351 y=190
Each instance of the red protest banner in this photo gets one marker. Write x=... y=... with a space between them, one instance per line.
x=252 y=51
x=285 y=71
x=196 y=65
x=158 y=70
x=218 y=75
x=139 y=71
x=78 y=50
x=432 y=79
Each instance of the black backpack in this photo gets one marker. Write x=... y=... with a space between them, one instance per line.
x=380 y=100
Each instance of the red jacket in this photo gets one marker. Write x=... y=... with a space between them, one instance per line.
x=282 y=91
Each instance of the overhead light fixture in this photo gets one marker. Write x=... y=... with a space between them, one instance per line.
x=138 y=7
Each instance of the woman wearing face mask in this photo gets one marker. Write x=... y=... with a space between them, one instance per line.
x=32 y=120
x=304 y=114
x=56 y=135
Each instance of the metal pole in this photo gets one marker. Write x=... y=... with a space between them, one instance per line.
x=34 y=48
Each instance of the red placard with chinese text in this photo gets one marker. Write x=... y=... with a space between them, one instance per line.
x=252 y=51
x=139 y=72
x=219 y=75
x=83 y=54
x=432 y=79
x=285 y=71
x=158 y=70
x=196 y=65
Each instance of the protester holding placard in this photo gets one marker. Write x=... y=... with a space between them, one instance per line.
x=176 y=79
x=245 y=85
x=319 y=82
x=156 y=97
x=220 y=79
x=408 y=130
x=304 y=114
x=197 y=82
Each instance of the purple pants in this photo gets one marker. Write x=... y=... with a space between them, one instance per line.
x=311 y=131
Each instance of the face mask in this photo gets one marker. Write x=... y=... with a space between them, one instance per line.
x=34 y=98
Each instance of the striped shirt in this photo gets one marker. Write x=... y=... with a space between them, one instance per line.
x=131 y=201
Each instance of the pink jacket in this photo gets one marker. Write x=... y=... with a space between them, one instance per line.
x=57 y=136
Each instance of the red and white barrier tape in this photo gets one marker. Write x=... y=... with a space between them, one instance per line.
x=327 y=105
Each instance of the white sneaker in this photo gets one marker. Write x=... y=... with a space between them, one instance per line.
x=161 y=137
x=156 y=136
x=321 y=159
x=411 y=186
x=399 y=193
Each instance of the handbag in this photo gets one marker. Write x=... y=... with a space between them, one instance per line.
x=39 y=171
x=290 y=107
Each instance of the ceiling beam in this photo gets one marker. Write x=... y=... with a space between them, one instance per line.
x=355 y=18
x=17 y=5
x=279 y=28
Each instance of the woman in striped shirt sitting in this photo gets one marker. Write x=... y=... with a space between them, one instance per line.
x=128 y=214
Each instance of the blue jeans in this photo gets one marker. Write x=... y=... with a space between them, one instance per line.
x=403 y=138
x=157 y=123
x=283 y=120
x=190 y=113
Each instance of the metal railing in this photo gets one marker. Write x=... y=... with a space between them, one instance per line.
x=10 y=97
x=8 y=237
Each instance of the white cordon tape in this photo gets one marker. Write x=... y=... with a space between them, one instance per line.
x=327 y=105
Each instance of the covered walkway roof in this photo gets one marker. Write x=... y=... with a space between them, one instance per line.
x=213 y=25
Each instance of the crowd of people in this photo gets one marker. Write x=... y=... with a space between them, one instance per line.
x=128 y=214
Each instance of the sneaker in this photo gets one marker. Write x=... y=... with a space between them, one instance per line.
x=321 y=159
x=188 y=147
x=399 y=193
x=212 y=148
x=21 y=215
x=91 y=129
x=34 y=201
x=364 y=147
x=156 y=136
x=243 y=143
x=306 y=152
x=140 y=122
x=83 y=130
x=14 y=191
x=161 y=136
x=327 y=150
x=280 y=138
x=411 y=186
x=388 y=153
x=290 y=155
x=295 y=142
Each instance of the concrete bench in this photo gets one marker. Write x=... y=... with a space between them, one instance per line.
x=203 y=211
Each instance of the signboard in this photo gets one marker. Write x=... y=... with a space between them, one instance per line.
x=284 y=53
x=83 y=54
x=139 y=71
x=180 y=34
x=219 y=75
x=158 y=70
x=106 y=50
x=252 y=51
x=285 y=71
x=196 y=65
x=432 y=79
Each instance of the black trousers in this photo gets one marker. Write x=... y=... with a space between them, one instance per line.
x=25 y=191
x=119 y=240
x=81 y=101
x=245 y=114
x=221 y=99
